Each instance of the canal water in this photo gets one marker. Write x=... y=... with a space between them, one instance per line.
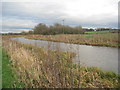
x=105 y=58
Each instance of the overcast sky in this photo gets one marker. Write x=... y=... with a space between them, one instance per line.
x=23 y=15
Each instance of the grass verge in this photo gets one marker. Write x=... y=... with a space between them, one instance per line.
x=0 y=67
x=8 y=76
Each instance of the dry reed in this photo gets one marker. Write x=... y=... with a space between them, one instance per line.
x=39 y=68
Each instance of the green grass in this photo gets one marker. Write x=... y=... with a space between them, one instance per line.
x=0 y=67
x=8 y=77
x=95 y=32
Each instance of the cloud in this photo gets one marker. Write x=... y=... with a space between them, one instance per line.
x=88 y=13
x=14 y=30
x=14 y=22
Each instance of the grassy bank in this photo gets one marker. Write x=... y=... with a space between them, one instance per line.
x=105 y=39
x=8 y=76
x=0 y=67
x=38 y=68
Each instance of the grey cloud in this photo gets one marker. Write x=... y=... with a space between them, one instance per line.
x=26 y=15
x=14 y=30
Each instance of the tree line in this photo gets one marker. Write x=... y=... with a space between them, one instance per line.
x=64 y=29
x=56 y=29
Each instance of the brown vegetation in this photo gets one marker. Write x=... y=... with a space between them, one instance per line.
x=38 y=68
x=108 y=39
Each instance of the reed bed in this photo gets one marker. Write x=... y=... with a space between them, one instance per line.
x=107 y=39
x=40 y=68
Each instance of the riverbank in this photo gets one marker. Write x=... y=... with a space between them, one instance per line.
x=105 y=39
x=95 y=39
x=37 y=67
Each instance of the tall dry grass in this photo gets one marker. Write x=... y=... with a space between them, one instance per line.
x=39 y=68
x=108 y=39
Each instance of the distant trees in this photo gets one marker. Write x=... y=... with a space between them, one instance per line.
x=104 y=29
x=60 y=29
x=57 y=29
x=40 y=29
